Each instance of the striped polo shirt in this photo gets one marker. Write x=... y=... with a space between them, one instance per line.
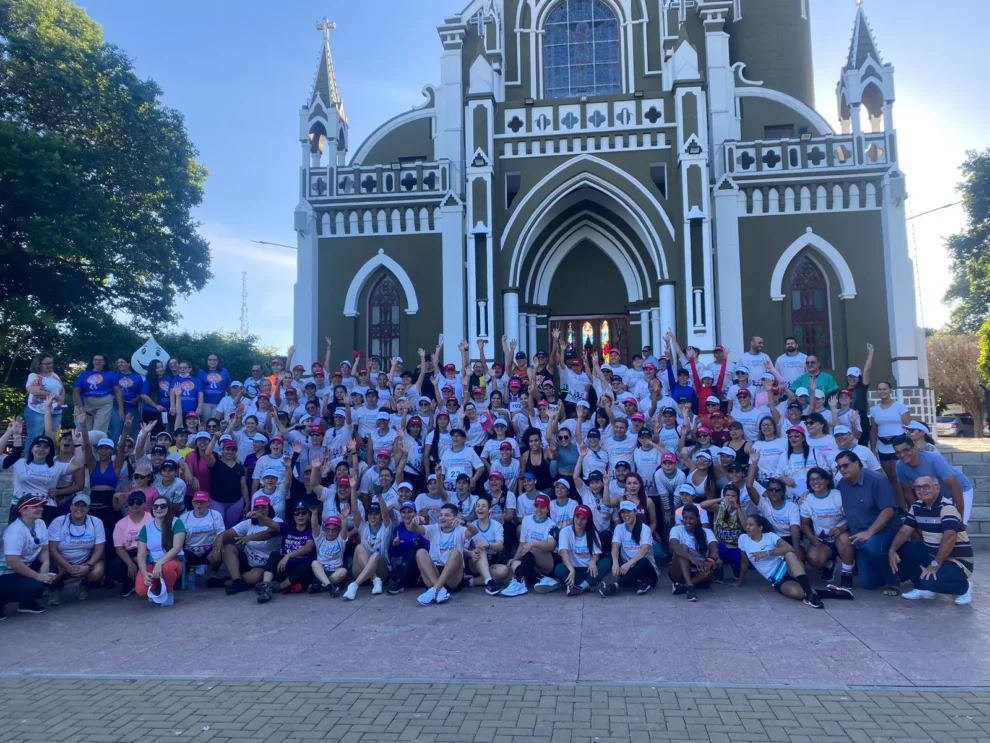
x=933 y=522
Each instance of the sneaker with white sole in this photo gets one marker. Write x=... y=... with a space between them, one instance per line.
x=492 y=589
x=351 y=593
x=547 y=585
x=917 y=594
x=376 y=586
x=427 y=597
x=443 y=594
x=967 y=598
x=643 y=588
x=515 y=588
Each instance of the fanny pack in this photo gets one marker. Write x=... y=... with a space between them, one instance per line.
x=887 y=440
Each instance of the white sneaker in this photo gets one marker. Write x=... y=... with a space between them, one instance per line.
x=967 y=598
x=443 y=595
x=376 y=586
x=515 y=588
x=351 y=593
x=547 y=585
x=427 y=597
x=917 y=594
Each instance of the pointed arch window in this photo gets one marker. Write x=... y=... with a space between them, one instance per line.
x=810 y=317
x=383 y=317
x=581 y=50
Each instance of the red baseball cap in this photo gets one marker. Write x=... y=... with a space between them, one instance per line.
x=668 y=457
x=450 y=367
x=542 y=500
x=344 y=482
x=505 y=445
x=384 y=453
x=704 y=429
x=497 y=476
x=638 y=417
x=318 y=428
x=300 y=367
x=720 y=348
x=201 y=495
x=262 y=500
x=743 y=392
x=415 y=421
x=362 y=371
x=582 y=510
x=795 y=429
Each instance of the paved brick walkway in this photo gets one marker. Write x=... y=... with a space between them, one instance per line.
x=114 y=711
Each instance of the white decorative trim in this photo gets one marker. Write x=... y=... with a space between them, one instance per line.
x=847 y=285
x=390 y=126
x=365 y=272
x=813 y=117
x=572 y=163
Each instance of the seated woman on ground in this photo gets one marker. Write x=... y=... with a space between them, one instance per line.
x=76 y=542
x=247 y=545
x=696 y=561
x=328 y=566
x=288 y=569
x=580 y=549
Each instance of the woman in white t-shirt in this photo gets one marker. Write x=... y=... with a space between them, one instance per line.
x=772 y=503
x=25 y=562
x=695 y=561
x=821 y=443
x=771 y=447
x=535 y=558
x=888 y=418
x=328 y=565
x=371 y=555
x=41 y=383
x=632 y=554
x=824 y=524
x=38 y=474
x=580 y=550
x=776 y=561
x=203 y=526
x=76 y=545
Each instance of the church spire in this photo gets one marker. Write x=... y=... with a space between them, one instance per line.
x=325 y=85
x=863 y=45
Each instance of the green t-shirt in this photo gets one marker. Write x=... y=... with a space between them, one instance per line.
x=151 y=535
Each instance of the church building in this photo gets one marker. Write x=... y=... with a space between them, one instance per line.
x=614 y=168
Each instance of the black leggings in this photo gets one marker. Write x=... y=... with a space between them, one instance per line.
x=528 y=571
x=117 y=568
x=297 y=571
x=641 y=572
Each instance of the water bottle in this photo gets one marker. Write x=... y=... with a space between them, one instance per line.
x=191 y=580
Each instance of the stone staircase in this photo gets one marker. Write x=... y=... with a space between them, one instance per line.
x=972 y=456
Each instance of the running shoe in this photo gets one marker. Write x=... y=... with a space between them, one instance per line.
x=547 y=585
x=30 y=607
x=395 y=587
x=425 y=599
x=967 y=598
x=676 y=589
x=917 y=594
x=351 y=593
x=846 y=581
x=126 y=590
x=442 y=595
x=833 y=591
x=515 y=588
x=828 y=572
x=644 y=588
x=264 y=590
x=238 y=585
x=491 y=588
x=691 y=594
x=316 y=587
x=608 y=589
x=814 y=602
x=376 y=586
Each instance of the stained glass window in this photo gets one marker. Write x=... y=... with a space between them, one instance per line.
x=809 y=311
x=581 y=50
x=383 y=318
x=606 y=347
x=570 y=337
x=587 y=335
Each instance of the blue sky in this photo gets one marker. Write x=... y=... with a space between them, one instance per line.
x=240 y=71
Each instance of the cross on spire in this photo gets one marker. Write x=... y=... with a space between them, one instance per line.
x=326 y=26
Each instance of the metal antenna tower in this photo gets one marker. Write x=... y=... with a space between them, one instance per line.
x=244 y=308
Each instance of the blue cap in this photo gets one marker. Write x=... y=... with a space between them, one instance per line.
x=529 y=476
x=407 y=504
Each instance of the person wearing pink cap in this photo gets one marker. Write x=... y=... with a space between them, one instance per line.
x=580 y=549
x=633 y=563
x=247 y=545
x=25 y=564
x=203 y=526
x=506 y=465
x=328 y=565
x=535 y=558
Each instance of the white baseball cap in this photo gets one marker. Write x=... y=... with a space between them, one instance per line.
x=854 y=371
x=801 y=391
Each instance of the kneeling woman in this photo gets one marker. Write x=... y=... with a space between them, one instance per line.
x=371 y=558
x=76 y=544
x=580 y=550
x=160 y=541
x=247 y=546
x=777 y=562
x=288 y=569
x=535 y=558
x=632 y=554
x=203 y=526
x=328 y=567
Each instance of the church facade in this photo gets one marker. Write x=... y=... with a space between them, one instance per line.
x=614 y=168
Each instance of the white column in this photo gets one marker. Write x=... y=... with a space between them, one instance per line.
x=450 y=104
x=306 y=294
x=531 y=336
x=472 y=287
x=668 y=313
x=521 y=333
x=452 y=263
x=646 y=329
x=483 y=318
x=657 y=331
x=510 y=315
x=899 y=274
x=730 y=319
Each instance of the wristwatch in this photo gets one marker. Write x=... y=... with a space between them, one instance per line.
x=934 y=563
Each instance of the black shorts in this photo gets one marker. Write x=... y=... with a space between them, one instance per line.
x=786 y=579
x=245 y=566
x=193 y=561
x=886 y=457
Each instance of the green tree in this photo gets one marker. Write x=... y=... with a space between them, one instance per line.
x=97 y=182
x=954 y=370
x=969 y=250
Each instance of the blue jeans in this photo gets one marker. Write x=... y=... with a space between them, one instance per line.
x=951 y=578
x=873 y=561
x=117 y=423
x=35 y=426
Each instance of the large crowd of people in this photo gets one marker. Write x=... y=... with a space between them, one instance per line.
x=568 y=472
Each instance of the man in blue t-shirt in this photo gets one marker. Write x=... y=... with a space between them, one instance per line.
x=405 y=544
x=914 y=463
x=127 y=388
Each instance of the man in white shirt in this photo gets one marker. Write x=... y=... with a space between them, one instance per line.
x=575 y=379
x=754 y=359
x=845 y=440
x=790 y=364
x=744 y=412
x=614 y=361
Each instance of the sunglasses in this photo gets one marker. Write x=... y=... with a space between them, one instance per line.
x=845 y=466
x=159 y=506
x=136 y=502
x=704 y=435
x=300 y=513
x=775 y=490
